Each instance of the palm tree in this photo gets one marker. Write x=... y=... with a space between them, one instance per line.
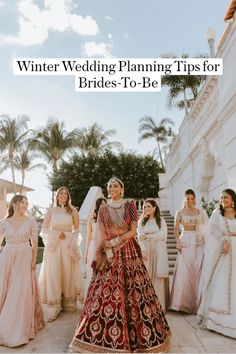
x=94 y=139
x=13 y=132
x=53 y=141
x=161 y=132
x=24 y=161
x=183 y=89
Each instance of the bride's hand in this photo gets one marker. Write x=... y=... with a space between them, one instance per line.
x=107 y=244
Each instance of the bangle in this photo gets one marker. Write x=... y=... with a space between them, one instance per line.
x=109 y=253
x=115 y=241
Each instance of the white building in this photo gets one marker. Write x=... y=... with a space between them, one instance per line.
x=7 y=187
x=203 y=155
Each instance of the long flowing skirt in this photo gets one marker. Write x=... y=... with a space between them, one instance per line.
x=20 y=309
x=218 y=306
x=122 y=312
x=60 y=279
x=161 y=287
x=185 y=292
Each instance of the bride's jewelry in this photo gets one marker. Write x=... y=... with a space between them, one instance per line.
x=116 y=203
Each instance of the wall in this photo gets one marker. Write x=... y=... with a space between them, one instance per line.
x=203 y=154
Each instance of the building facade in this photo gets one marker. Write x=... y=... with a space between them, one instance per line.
x=203 y=154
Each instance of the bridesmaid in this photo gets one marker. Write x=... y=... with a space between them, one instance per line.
x=60 y=278
x=91 y=241
x=20 y=308
x=152 y=234
x=217 y=311
x=185 y=293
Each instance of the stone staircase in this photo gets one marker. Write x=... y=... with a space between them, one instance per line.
x=171 y=242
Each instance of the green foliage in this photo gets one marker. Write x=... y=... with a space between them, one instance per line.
x=95 y=140
x=182 y=89
x=139 y=174
x=209 y=206
x=160 y=131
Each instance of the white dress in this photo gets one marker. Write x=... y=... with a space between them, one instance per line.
x=218 y=305
x=60 y=279
x=20 y=308
x=91 y=250
x=155 y=250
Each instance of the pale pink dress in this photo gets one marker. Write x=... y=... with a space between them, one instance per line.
x=20 y=309
x=186 y=287
x=60 y=278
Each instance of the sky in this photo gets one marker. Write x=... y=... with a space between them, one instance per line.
x=96 y=28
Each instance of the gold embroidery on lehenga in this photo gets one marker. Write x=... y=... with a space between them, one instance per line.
x=92 y=348
x=108 y=310
x=114 y=332
x=95 y=328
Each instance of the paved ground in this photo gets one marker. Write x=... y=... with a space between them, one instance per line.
x=187 y=337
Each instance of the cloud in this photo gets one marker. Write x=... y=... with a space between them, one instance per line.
x=27 y=35
x=92 y=49
x=84 y=26
x=35 y=24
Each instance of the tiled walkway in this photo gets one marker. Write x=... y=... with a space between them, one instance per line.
x=187 y=337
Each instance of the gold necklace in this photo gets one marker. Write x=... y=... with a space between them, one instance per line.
x=116 y=203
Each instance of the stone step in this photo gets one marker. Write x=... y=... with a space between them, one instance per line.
x=172 y=251
x=172 y=257
x=171 y=264
x=165 y=212
x=171 y=240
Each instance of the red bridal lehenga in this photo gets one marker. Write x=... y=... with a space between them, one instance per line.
x=122 y=312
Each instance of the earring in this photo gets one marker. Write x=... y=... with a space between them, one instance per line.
x=122 y=194
x=232 y=204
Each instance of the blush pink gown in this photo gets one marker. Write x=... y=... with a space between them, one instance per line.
x=20 y=309
x=186 y=287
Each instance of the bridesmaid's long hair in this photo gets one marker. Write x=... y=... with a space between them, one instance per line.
x=68 y=205
x=15 y=200
x=232 y=193
x=97 y=207
x=157 y=213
